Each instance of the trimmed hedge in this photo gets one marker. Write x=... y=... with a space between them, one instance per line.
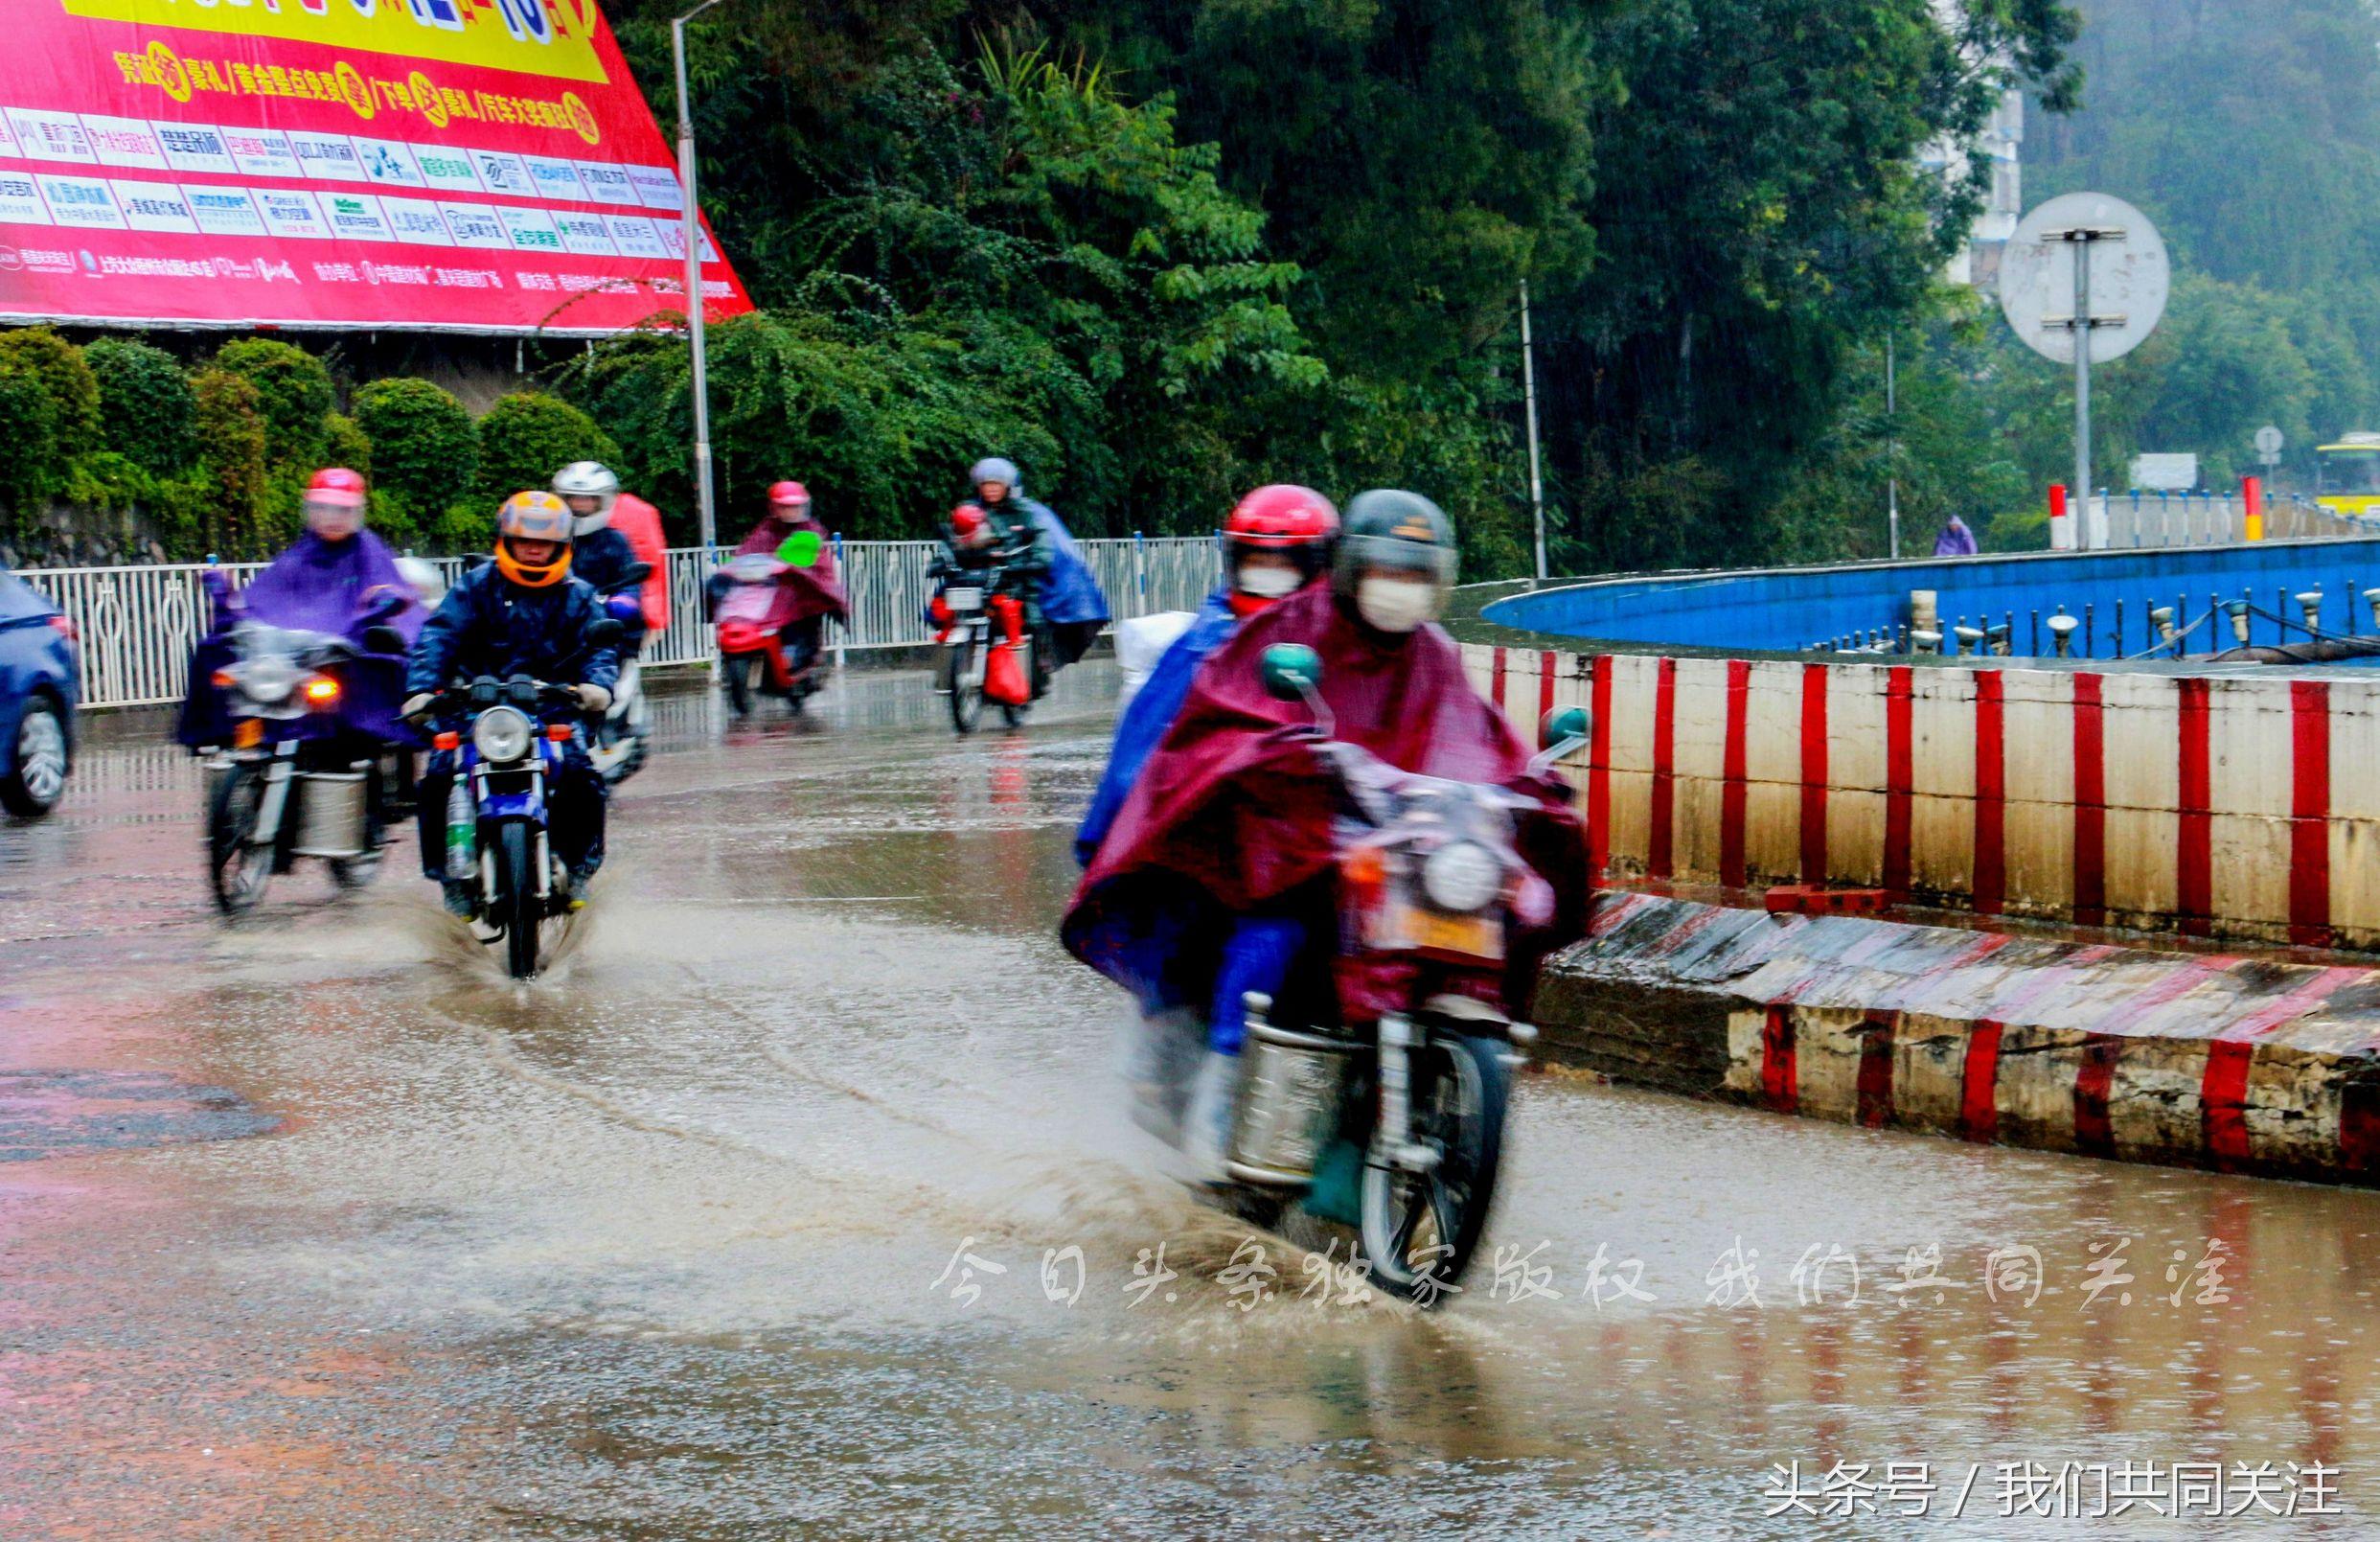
x=231 y=461
x=528 y=436
x=424 y=450
x=147 y=408
x=294 y=392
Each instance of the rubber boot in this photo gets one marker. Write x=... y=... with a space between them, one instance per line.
x=1207 y=1124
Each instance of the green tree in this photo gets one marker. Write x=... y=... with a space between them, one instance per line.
x=50 y=402
x=147 y=408
x=528 y=436
x=232 y=463
x=425 y=451
x=294 y=389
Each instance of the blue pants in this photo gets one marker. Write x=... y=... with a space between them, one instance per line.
x=1256 y=956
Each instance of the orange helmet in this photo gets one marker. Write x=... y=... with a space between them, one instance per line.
x=533 y=517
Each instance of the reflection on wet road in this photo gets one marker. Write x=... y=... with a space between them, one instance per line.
x=799 y=1200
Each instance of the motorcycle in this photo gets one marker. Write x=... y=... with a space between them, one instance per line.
x=291 y=784
x=757 y=657
x=973 y=667
x=1396 y=1127
x=496 y=810
x=619 y=745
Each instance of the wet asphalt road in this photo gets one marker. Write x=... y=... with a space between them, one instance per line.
x=748 y=1219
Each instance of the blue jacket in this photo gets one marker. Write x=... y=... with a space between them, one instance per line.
x=601 y=557
x=489 y=625
x=1148 y=715
x=1069 y=593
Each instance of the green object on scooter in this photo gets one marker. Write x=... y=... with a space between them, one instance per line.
x=801 y=548
x=1336 y=1193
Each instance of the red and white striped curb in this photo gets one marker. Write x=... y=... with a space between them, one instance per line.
x=2248 y=1064
x=2199 y=804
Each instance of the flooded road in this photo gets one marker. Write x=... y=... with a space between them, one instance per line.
x=799 y=1201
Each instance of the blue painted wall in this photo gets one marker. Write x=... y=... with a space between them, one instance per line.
x=1786 y=610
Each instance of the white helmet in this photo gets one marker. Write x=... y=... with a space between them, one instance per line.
x=588 y=479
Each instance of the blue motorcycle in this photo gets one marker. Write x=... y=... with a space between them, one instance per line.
x=496 y=811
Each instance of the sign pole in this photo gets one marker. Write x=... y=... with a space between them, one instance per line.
x=1528 y=391
x=2080 y=242
x=706 y=510
x=1893 y=454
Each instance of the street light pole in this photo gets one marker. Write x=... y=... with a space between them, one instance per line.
x=706 y=506
x=1529 y=392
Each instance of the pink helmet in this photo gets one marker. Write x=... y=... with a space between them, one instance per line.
x=789 y=493
x=337 y=487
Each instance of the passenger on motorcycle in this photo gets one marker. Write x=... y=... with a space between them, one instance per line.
x=337 y=579
x=1277 y=539
x=1216 y=877
x=808 y=592
x=523 y=613
x=1064 y=609
x=603 y=547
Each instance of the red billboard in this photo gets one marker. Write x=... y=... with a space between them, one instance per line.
x=483 y=166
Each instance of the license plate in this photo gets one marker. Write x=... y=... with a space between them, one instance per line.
x=963 y=599
x=248 y=733
x=1473 y=937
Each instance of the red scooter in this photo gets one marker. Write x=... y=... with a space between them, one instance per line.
x=758 y=655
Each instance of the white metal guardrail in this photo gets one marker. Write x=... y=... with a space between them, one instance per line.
x=139 y=624
x=2150 y=520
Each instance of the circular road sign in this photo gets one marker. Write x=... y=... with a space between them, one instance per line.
x=2267 y=441
x=2130 y=276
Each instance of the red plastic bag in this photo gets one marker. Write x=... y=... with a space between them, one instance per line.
x=1004 y=674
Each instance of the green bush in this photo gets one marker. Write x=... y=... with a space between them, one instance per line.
x=294 y=390
x=50 y=402
x=145 y=403
x=28 y=459
x=344 y=444
x=424 y=448
x=528 y=436
x=231 y=467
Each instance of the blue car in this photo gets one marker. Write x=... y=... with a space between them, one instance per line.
x=40 y=682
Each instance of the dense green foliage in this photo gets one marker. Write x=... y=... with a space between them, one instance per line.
x=425 y=454
x=295 y=391
x=232 y=463
x=147 y=408
x=528 y=436
x=51 y=404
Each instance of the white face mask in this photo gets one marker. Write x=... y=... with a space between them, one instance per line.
x=1396 y=604
x=1268 y=583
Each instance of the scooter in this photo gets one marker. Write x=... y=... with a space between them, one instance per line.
x=1396 y=1126
x=987 y=653
x=756 y=658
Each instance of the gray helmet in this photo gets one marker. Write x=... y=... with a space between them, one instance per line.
x=995 y=468
x=588 y=479
x=1388 y=527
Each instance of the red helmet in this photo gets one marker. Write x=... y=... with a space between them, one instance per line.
x=337 y=487
x=788 y=492
x=1295 y=522
x=970 y=525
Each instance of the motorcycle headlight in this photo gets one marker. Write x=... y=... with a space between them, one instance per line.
x=269 y=679
x=501 y=734
x=1462 y=876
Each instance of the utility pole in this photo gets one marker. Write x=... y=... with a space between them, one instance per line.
x=706 y=506
x=2080 y=240
x=1528 y=392
x=1892 y=454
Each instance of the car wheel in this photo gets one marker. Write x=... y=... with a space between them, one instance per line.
x=37 y=774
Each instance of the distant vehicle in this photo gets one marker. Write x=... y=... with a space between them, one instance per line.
x=41 y=682
x=2347 y=474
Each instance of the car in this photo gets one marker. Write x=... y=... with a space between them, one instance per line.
x=41 y=682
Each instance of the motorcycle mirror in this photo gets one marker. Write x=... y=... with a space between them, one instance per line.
x=801 y=548
x=384 y=640
x=1561 y=726
x=636 y=573
x=1290 y=670
x=606 y=633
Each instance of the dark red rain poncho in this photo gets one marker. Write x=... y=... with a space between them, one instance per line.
x=1235 y=800
x=802 y=592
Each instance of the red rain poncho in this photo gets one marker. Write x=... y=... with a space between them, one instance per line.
x=1235 y=800
x=802 y=592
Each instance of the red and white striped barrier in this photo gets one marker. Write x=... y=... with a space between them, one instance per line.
x=2202 y=804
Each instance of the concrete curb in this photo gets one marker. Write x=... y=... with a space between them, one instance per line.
x=2240 y=1064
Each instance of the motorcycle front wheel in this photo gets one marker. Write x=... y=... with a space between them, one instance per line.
x=238 y=867
x=966 y=688
x=1420 y=1230
x=517 y=904
x=743 y=674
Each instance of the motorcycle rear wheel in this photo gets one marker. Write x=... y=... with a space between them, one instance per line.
x=1420 y=1230
x=517 y=904
x=237 y=869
